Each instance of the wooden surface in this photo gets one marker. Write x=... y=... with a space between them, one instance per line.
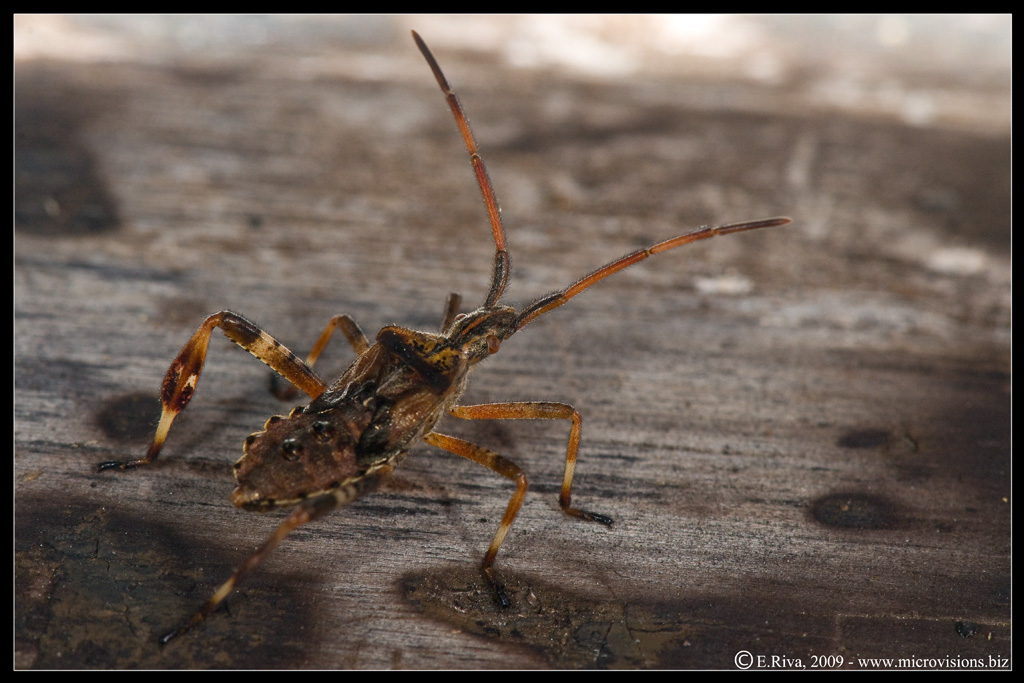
x=802 y=434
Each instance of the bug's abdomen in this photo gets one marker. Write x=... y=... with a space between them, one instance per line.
x=301 y=455
x=388 y=398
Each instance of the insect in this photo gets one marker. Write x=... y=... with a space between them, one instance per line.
x=357 y=430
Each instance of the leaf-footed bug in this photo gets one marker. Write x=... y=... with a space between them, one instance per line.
x=357 y=430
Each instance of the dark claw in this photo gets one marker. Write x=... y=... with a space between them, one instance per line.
x=588 y=516
x=167 y=637
x=501 y=597
x=499 y=588
x=595 y=517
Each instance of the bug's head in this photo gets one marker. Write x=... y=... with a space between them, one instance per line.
x=479 y=333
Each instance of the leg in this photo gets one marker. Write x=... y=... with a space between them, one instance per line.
x=349 y=328
x=352 y=333
x=505 y=468
x=541 y=411
x=179 y=384
x=306 y=512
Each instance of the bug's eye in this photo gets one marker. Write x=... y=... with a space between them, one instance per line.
x=493 y=344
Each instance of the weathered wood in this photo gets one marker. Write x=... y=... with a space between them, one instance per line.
x=802 y=435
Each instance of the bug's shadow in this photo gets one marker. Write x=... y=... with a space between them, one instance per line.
x=563 y=628
x=96 y=586
x=689 y=629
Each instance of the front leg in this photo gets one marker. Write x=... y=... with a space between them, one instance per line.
x=179 y=384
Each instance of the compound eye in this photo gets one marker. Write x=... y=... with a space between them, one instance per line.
x=493 y=344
